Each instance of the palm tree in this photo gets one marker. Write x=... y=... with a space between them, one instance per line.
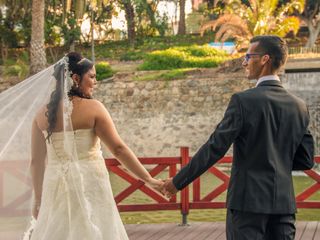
x=38 y=59
x=242 y=21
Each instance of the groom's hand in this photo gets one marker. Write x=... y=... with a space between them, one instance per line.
x=168 y=188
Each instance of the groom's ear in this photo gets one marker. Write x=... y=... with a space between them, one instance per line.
x=265 y=59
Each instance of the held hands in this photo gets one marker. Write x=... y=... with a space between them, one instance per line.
x=166 y=187
x=155 y=184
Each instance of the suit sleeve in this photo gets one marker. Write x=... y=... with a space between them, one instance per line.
x=304 y=156
x=215 y=148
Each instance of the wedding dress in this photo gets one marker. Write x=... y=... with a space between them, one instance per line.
x=65 y=215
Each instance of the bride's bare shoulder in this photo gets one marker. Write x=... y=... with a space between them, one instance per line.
x=96 y=104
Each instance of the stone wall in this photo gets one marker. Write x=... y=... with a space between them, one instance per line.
x=306 y=85
x=155 y=118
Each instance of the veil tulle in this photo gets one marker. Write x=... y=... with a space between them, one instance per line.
x=19 y=106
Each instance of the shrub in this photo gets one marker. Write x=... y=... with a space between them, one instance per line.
x=12 y=70
x=184 y=57
x=132 y=56
x=161 y=60
x=18 y=68
x=103 y=70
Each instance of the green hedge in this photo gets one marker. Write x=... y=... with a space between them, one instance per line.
x=132 y=55
x=103 y=70
x=184 y=57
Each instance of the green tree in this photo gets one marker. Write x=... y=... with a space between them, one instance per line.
x=241 y=20
x=311 y=16
x=128 y=7
x=149 y=22
x=15 y=24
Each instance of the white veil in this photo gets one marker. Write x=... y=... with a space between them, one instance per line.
x=19 y=106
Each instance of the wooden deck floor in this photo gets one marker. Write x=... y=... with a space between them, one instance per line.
x=195 y=231
x=205 y=231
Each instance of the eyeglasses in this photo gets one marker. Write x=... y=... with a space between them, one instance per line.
x=249 y=55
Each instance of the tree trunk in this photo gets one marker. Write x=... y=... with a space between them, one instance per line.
x=4 y=51
x=72 y=47
x=313 y=33
x=182 y=20
x=129 y=12
x=38 y=59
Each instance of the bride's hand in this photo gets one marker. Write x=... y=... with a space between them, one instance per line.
x=155 y=184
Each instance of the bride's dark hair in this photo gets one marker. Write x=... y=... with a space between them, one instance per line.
x=76 y=65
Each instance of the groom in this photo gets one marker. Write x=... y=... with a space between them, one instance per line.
x=268 y=127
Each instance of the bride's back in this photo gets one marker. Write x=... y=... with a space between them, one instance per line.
x=83 y=115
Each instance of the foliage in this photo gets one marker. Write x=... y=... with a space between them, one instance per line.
x=103 y=70
x=71 y=31
x=164 y=75
x=19 y=68
x=147 y=20
x=132 y=55
x=15 y=24
x=61 y=29
x=184 y=57
x=122 y=50
x=242 y=21
x=311 y=16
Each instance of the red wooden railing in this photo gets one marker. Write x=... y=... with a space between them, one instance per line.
x=197 y=202
x=16 y=169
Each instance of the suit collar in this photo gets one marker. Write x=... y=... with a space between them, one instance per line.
x=270 y=83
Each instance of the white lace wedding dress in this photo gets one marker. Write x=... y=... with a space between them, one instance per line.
x=77 y=200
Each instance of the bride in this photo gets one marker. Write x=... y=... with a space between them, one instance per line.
x=72 y=193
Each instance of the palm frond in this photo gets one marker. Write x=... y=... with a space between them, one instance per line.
x=234 y=29
x=287 y=25
x=226 y=18
x=291 y=7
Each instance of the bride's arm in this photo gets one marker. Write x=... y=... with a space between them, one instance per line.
x=37 y=165
x=106 y=131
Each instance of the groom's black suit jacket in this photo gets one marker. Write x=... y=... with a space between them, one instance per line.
x=268 y=127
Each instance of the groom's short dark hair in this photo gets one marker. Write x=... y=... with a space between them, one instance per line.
x=274 y=46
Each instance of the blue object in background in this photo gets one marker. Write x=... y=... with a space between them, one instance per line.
x=229 y=47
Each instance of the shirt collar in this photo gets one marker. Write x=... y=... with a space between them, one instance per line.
x=267 y=78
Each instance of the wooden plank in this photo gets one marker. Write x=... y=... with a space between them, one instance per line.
x=317 y=233
x=300 y=227
x=133 y=228
x=149 y=230
x=179 y=232
x=309 y=231
x=196 y=231
x=206 y=231
x=200 y=230
x=222 y=235
x=217 y=232
x=158 y=233
x=175 y=232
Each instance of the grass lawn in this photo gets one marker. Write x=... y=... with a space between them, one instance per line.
x=206 y=215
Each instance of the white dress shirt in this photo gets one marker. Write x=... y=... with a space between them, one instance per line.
x=267 y=78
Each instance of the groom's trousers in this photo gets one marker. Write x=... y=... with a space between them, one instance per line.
x=256 y=226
